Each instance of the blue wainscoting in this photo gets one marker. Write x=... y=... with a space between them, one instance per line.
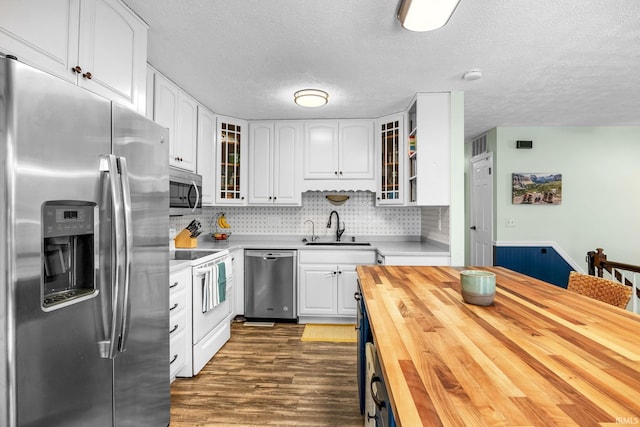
x=541 y=262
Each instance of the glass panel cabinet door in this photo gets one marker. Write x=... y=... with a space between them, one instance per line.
x=390 y=188
x=231 y=179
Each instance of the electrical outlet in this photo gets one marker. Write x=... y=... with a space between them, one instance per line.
x=509 y=222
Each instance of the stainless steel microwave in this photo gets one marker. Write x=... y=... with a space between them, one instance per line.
x=185 y=193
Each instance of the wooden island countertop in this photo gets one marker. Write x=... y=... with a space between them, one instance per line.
x=540 y=355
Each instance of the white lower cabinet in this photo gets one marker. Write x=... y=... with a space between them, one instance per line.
x=237 y=264
x=327 y=282
x=179 y=319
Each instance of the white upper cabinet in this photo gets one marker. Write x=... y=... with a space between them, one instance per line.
x=207 y=154
x=355 y=160
x=176 y=110
x=186 y=132
x=339 y=155
x=390 y=160
x=98 y=44
x=260 y=163
x=321 y=150
x=429 y=154
x=274 y=149
x=287 y=156
x=231 y=176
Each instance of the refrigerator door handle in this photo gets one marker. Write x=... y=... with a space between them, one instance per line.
x=109 y=348
x=128 y=247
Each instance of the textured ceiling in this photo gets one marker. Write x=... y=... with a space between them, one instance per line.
x=544 y=62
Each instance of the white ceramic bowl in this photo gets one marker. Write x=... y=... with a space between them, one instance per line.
x=478 y=287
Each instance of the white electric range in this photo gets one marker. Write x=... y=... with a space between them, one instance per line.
x=212 y=304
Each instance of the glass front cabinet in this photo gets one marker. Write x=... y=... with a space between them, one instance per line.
x=231 y=180
x=390 y=160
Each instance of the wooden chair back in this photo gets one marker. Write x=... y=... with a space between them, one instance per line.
x=601 y=289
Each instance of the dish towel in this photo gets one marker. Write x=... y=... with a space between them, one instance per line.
x=222 y=283
x=209 y=288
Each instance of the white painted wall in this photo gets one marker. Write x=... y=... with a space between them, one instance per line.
x=600 y=207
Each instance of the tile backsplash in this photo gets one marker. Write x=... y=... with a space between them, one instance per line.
x=359 y=214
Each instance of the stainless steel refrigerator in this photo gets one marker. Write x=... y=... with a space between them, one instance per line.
x=83 y=257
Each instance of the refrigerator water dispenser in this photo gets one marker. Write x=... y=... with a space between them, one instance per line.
x=68 y=253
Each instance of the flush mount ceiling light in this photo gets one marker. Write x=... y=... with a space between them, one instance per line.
x=311 y=97
x=425 y=15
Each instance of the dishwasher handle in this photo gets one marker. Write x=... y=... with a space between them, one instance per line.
x=269 y=256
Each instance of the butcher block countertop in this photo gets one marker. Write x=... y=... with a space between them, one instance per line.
x=539 y=356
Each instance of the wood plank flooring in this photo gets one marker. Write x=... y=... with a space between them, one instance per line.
x=268 y=377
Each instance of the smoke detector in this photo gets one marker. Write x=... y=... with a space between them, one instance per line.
x=473 y=74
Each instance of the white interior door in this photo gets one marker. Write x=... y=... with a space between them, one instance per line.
x=482 y=210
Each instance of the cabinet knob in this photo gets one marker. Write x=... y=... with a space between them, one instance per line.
x=269 y=197
x=274 y=197
x=335 y=172
x=242 y=198
x=87 y=75
x=76 y=69
x=340 y=172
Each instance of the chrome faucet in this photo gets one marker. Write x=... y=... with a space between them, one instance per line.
x=313 y=230
x=339 y=231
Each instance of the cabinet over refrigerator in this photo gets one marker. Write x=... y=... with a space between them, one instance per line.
x=83 y=257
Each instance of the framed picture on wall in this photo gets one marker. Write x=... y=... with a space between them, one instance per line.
x=536 y=188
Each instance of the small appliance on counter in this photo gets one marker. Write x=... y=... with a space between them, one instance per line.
x=188 y=238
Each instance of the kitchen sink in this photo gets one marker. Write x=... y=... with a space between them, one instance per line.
x=337 y=244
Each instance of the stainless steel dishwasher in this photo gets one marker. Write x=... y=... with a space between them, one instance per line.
x=270 y=284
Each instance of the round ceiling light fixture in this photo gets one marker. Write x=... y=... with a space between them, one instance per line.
x=311 y=98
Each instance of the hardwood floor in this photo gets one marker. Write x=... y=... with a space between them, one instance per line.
x=268 y=377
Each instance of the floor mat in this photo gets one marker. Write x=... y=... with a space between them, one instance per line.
x=260 y=324
x=329 y=333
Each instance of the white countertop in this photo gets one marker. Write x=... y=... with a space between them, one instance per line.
x=383 y=245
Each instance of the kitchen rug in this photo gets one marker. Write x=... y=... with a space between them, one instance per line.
x=329 y=333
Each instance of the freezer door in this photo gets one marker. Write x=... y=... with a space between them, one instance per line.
x=142 y=370
x=54 y=137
